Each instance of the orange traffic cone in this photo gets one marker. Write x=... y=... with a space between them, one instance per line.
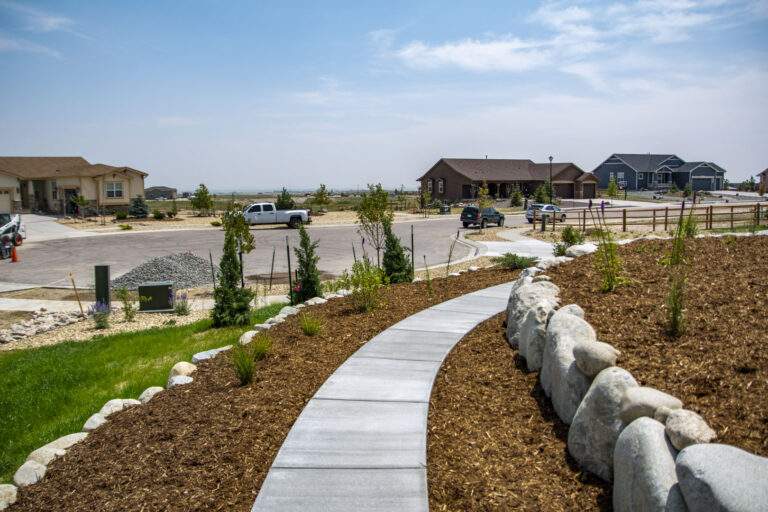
x=14 y=255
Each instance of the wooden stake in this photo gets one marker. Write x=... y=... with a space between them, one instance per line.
x=77 y=295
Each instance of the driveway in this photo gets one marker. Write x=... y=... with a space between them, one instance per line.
x=41 y=228
x=50 y=262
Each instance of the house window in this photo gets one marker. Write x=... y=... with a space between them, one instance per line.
x=114 y=189
x=620 y=176
x=54 y=190
x=429 y=186
x=440 y=186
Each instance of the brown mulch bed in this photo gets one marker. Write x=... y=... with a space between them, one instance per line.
x=209 y=445
x=719 y=367
x=494 y=442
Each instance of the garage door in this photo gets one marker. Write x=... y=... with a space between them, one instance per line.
x=588 y=191
x=702 y=184
x=5 y=201
x=564 y=190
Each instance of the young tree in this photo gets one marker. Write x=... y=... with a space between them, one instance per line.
x=540 y=194
x=372 y=212
x=516 y=199
x=613 y=189
x=139 y=208
x=232 y=302
x=483 y=198
x=307 y=273
x=321 y=196
x=687 y=191
x=425 y=198
x=202 y=200
x=81 y=202
x=284 y=200
x=397 y=266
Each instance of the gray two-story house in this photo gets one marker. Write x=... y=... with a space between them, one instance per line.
x=649 y=171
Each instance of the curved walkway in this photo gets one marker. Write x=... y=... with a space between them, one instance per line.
x=360 y=442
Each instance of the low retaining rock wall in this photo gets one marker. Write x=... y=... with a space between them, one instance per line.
x=655 y=452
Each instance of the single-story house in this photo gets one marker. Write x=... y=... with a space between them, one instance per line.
x=635 y=171
x=160 y=192
x=763 y=183
x=48 y=184
x=456 y=179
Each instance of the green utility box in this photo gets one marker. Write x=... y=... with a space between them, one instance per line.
x=156 y=297
x=101 y=284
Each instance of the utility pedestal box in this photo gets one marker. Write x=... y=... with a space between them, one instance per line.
x=156 y=296
x=101 y=284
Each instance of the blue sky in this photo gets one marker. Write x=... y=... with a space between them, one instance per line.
x=257 y=95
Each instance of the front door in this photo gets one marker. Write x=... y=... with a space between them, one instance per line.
x=69 y=195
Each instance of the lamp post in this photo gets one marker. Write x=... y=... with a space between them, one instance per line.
x=551 y=191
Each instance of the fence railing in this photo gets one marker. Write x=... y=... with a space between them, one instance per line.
x=663 y=219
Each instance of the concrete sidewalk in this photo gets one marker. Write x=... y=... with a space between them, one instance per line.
x=360 y=442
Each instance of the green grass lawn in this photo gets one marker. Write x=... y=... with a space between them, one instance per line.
x=50 y=391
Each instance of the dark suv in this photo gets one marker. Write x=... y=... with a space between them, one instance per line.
x=472 y=216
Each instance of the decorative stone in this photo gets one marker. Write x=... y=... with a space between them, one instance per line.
x=473 y=268
x=594 y=357
x=67 y=441
x=149 y=393
x=7 y=495
x=722 y=478
x=182 y=368
x=94 y=422
x=533 y=334
x=548 y=263
x=315 y=301
x=575 y=251
x=29 y=473
x=560 y=378
x=415 y=280
x=644 y=475
x=179 y=380
x=685 y=428
x=596 y=424
x=130 y=402
x=111 y=407
x=661 y=414
x=454 y=274
x=643 y=401
x=277 y=319
x=329 y=296
x=530 y=271
x=258 y=328
x=344 y=292
x=208 y=354
x=538 y=279
x=289 y=310
x=45 y=455
x=523 y=298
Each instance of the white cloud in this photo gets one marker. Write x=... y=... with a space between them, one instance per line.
x=37 y=20
x=12 y=44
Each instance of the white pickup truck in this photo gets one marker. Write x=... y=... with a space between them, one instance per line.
x=267 y=213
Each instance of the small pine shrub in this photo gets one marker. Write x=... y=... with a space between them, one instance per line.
x=511 y=261
x=125 y=227
x=559 y=249
x=129 y=306
x=138 y=208
x=397 y=266
x=158 y=214
x=308 y=285
x=571 y=236
x=284 y=201
x=365 y=281
x=517 y=198
x=121 y=215
x=216 y=223
x=310 y=324
x=232 y=302
x=540 y=195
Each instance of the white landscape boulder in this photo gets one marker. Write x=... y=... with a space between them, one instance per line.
x=594 y=357
x=315 y=301
x=560 y=378
x=7 y=495
x=29 y=473
x=117 y=405
x=149 y=393
x=575 y=251
x=67 y=441
x=179 y=380
x=644 y=475
x=55 y=449
x=289 y=310
x=533 y=334
x=548 y=263
x=209 y=354
x=261 y=327
x=597 y=425
x=277 y=319
x=522 y=299
x=183 y=368
x=644 y=401
x=722 y=478
x=247 y=336
x=94 y=422
x=473 y=268
x=540 y=278
x=685 y=428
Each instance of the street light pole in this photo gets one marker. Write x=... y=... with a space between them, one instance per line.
x=551 y=188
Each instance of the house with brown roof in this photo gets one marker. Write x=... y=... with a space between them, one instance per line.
x=456 y=179
x=49 y=184
x=763 y=183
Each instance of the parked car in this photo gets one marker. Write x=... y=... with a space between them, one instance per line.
x=544 y=210
x=472 y=216
x=267 y=213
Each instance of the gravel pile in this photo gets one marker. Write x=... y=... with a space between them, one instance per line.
x=184 y=270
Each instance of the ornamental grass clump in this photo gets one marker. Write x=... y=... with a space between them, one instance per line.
x=244 y=357
x=560 y=248
x=100 y=313
x=571 y=236
x=310 y=324
x=676 y=262
x=181 y=304
x=607 y=260
x=512 y=261
x=129 y=306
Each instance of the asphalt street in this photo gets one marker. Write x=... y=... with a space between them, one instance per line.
x=49 y=262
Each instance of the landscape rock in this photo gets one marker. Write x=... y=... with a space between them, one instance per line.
x=94 y=422
x=560 y=378
x=533 y=334
x=575 y=251
x=289 y=310
x=148 y=393
x=548 y=263
x=208 y=354
x=530 y=272
x=719 y=477
x=67 y=441
x=596 y=424
x=661 y=414
x=685 y=428
x=522 y=299
x=179 y=380
x=182 y=368
x=537 y=279
x=644 y=475
x=247 y=336
x=7 y=495
x=314 y=301
x=111 y=407
x=344 y=292
x=41 y=321
x=130 y=402
x=594 y=357
x=454 y=274
x=277 y=319
x=473 y=268
x=259 y=327
x=643 y=401
x=415 y=280
x=29 y=473
x=329 y=296
x=185 y=270
x=45 y=455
